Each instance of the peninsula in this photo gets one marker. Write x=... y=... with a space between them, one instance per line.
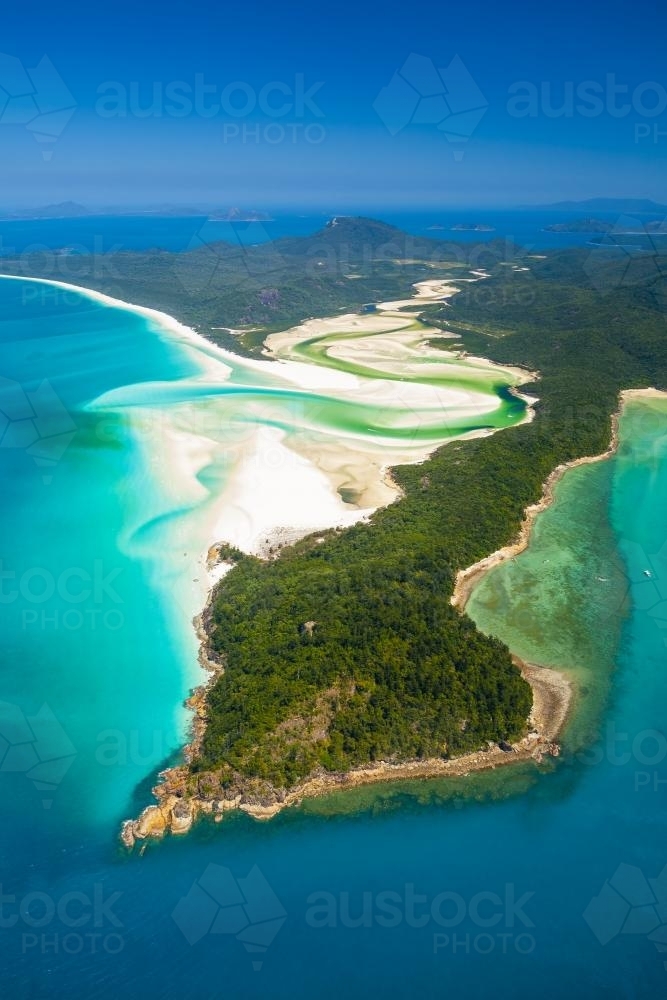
x=341 y=659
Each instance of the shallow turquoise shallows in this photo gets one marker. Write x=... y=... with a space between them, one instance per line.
x=505 y=885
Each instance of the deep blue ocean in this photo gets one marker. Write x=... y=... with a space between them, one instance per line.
x=508 y=885
x=102 y=234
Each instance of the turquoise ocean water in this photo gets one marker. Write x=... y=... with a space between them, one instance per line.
x=504 y=885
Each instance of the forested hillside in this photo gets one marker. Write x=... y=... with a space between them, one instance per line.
x=347 y=651
x=391 y=670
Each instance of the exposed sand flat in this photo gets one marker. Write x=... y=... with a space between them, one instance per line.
x=278 y=344
x=387 y=341
x=254 y=459
x=261 y=501
x=405 y=355
x=434 y=290
x=358 y=469
x=308 y=376
x=263 y=480
x=658 y=394
x=363 y=323
x=519 y=375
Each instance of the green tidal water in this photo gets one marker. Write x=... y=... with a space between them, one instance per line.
x=462 y=373
x=101 y=545
x=563 y=602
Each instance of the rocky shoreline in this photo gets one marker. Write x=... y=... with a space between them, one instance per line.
x=178 y=806
x=182 y=797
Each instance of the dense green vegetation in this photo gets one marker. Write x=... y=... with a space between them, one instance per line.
x=390 y=670
x=348 y=650
x=268 y=286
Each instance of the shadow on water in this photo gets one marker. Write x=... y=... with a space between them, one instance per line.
x=142 y=794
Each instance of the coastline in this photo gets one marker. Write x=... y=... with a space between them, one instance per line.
x=467 y=579
x=553 y=697
x=168 y=322
x=178 y=808
x=321 y=466
x=177 y=811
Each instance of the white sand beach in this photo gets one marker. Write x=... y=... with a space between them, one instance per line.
x=257 y=463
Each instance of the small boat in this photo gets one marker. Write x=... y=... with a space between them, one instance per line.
x=602 y=579
x=647 y=572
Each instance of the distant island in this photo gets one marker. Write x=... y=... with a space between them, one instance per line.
x=463 y=227
x=73 y=210
x=63 y=210
x=472 y=227
x=623 y=206
x=239 y=215
x=602 y=226
x=579 y=226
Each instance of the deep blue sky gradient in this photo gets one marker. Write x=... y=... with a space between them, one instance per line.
x=352 y=49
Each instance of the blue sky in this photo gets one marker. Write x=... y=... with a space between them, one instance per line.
x=267 y=104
